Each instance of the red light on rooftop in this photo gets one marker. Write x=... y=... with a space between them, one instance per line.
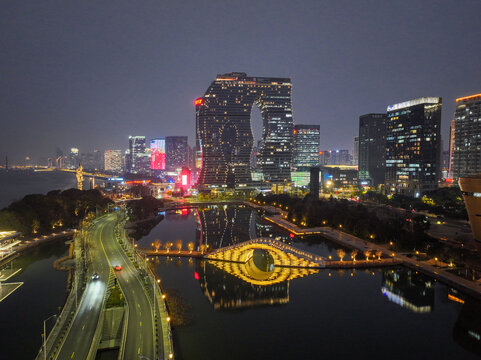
x=199 y=101
x=196 y=275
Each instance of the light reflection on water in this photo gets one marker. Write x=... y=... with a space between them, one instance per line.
x=333 y=313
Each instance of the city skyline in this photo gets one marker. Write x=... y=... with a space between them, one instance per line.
x=109 y=75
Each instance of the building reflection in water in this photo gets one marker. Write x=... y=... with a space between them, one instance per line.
x=258 y=282
x=230 y=285
x=467 y=328
x=224 y=225
x=408 y=289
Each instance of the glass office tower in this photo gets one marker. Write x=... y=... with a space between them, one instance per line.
x=413 y=146
x=466 y=133
x=372 y=149
x=306 y=146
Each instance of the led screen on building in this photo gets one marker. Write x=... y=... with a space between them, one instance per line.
x=157 y=154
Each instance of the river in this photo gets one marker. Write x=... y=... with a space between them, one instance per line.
x=15 y=184
x=44 y=289
x=392 y=313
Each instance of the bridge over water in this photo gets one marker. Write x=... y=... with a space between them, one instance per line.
x=282 y=255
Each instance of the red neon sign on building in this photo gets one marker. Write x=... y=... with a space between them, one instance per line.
x=157 y=154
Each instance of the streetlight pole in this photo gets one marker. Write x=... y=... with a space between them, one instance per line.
x=45 y=336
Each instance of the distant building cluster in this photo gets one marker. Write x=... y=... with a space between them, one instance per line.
x=399 y=150
x=170 y=153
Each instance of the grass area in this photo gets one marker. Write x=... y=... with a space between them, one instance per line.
x=115 y=299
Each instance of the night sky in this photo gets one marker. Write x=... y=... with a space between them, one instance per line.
x=91 y=73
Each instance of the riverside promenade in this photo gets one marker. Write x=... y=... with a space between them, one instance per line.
x=469 y=287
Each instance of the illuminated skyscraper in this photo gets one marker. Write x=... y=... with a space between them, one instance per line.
x=74 y=158
x=137 y=154
x=372 y=149
x=306 y=146
x=157 y=154
x=223 y=125
x=466 y=134
x=176 y=152
x=113 y=160
x=413 y=146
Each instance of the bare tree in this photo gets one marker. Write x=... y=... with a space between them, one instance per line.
x=367 y=254
x=353 y=255
x=178 y=245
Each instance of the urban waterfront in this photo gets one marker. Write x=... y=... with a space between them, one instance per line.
x=391 y=312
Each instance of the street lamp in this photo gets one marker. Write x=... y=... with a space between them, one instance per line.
x=45 y=336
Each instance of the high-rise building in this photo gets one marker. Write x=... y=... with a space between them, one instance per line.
x=306 y=146
x=113 y=160
x=451 y=149
x=467 y=137
x=87 y=160
x=157 y=154
x=372 y=149
x=137 y=154
x=98 y=160
x=355 y=151
x=144 y=162
x=339 y=157
x=176 y=152
x=413 y=146
x=74 y=158
x=224 y=136
x=324 y=157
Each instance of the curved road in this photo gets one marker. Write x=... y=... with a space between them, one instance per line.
x=106 y=252
x=140 y=330
x=80 y=335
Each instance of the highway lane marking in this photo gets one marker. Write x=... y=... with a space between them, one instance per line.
x=83 y=327
x=138 y=352
x=72 y=355
x=141 y=324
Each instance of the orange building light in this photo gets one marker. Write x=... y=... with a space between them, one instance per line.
x=468 y=97
x=199 y=101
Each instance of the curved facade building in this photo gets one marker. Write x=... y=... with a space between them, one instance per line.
x=224 y=134
x=471 y=189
